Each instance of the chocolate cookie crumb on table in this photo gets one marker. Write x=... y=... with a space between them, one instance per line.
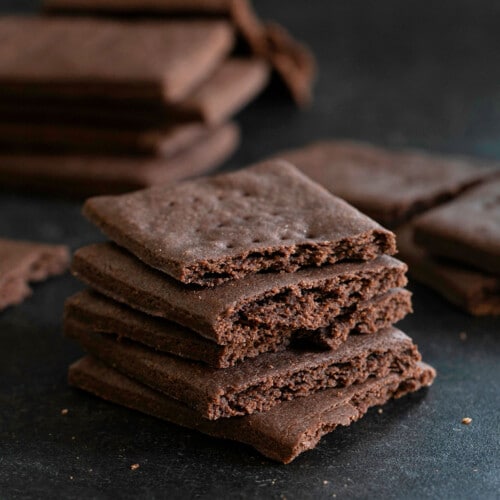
x=23 y=262
x=306 y=419
x=268 y=217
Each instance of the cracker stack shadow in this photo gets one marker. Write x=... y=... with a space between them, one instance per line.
x=253 y=306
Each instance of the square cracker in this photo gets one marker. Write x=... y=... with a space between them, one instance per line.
x=476 y=292
x=293 y=61
x=269 y=217
x=466 y=229
x=66 y=57
x=390 y=186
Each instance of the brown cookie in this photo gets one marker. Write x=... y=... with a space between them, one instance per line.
x=466 y=229
x=239 y=310
x=293 y=61
x=36 y=138
x=268 y=217
x=257 y=384
x=86 y=175
x=389 y=186
x=96 y=313
x=22 y=262
x=228 y=89
x=105 y=59
x=232 y=86
x=306 y=420
x=474 y=291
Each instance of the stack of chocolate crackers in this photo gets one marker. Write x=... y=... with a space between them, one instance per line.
x=253 y=306
x=97 y=100
x=93 y=106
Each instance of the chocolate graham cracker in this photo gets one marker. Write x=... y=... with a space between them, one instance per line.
x=233 y=85
x=268 y=217
x=390 y=186
x=96 y=58
x=306 y=420
x=74 y=139
x=96 y=313
x=466 y=229
x=22 y=262
x=230 y=87
x=86 y=175
x=293 y=61
x=238 y=310
x=474 y=291
x=257 y=384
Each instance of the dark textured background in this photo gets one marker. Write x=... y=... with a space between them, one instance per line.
x=399 y=73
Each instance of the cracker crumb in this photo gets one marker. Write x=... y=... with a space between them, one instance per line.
x=466 y=420
x=64 y=411
x=462 y=336
x=134 y=466
x=325 y=481
x=380 y=411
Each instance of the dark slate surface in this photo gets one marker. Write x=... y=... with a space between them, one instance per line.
x=399 y=73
